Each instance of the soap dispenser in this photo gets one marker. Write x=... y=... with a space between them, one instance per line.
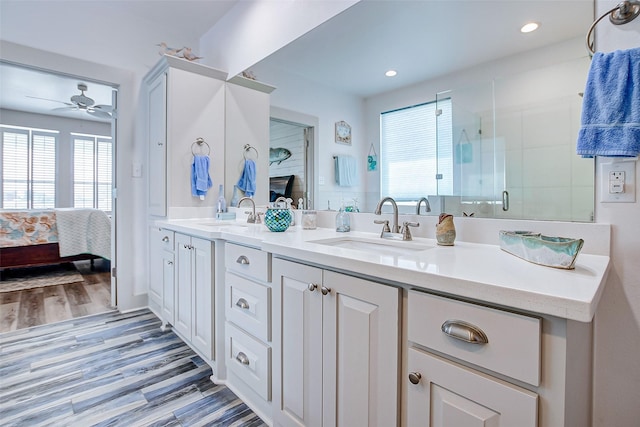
x=222 y=203
x=343 y=222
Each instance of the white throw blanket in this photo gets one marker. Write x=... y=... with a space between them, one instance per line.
x=83 y=231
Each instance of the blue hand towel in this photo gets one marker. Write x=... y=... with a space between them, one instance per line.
x=200 y=179
x=345 y=171
x=247 y=181
x=611 y=106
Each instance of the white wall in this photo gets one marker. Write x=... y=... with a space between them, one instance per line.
x=617 y=321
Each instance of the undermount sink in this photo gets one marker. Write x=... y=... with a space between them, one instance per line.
x=377 y=246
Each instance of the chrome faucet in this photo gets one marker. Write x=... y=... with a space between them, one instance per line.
x=394 y=228
x=427 y=206
x=252 y=218
x=280 y=199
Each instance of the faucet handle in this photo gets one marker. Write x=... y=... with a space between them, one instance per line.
x=385 y=228
x=258 y=219
x=406 y=232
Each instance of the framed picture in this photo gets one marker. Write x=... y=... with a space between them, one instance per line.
x=343 y=133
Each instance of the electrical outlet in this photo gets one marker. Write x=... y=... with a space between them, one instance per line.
x=618 y=182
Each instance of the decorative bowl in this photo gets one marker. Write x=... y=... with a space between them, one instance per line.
x=277 y=219
x=558 y=252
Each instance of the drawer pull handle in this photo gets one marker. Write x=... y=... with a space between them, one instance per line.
x=242 y=358
x=165 y=239
x=415 y=377
x=464 y=331
x=242 y=303
x=243 y=260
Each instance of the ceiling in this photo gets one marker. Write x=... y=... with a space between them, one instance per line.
x=420 y=39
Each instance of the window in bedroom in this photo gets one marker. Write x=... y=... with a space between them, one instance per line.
x=416 y=151
x=92 y=171
x=28 y=178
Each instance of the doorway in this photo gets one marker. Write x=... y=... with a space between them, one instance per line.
x=292 y=153
x=75 y=116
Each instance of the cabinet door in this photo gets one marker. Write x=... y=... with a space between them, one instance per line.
x=202 y=304
x=450 y=395
x=168 y=290
x=360 y=352
x=297 y=344
x=155 y=272
x=157 y=133
x=183 y=295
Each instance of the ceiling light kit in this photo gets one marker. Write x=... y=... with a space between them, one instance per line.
x=529 y=27
x=391 y=73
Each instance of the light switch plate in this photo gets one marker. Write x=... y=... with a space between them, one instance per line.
x=617 y=182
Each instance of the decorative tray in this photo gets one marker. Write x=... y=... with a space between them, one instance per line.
x=558 y=252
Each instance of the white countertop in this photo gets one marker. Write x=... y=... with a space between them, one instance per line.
x=469 y=270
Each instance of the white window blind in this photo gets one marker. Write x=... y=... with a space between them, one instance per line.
x=28 y=168
x=92 y=172
x=411 y=140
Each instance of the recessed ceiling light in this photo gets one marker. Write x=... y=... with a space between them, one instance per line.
x=529 y=27
x=391 y=73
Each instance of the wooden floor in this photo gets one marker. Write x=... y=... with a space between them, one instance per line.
x=110 y=369
x=32 y=307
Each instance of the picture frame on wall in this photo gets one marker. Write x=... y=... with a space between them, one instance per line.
x=343 y=133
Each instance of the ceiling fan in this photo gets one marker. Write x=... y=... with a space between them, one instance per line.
x=83 y=103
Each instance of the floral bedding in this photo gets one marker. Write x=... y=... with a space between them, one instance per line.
x=25 y=228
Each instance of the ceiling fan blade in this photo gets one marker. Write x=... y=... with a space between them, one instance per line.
x=102 y=107
x=52 y=100
x=99 y=113
x=69 y=108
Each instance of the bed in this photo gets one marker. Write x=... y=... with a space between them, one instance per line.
x=42 y=237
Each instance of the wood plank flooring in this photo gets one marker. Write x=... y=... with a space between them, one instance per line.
x=32 y=307
x=110 y=369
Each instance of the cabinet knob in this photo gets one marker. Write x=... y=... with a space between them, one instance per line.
x=169 y=262
x=325 y=290
x=242 y=358
x=243 y=260
x=165 y=239
x=313 y=287
x=159 y=142
x=242 y=303
x=415 y=377
x=464 y=331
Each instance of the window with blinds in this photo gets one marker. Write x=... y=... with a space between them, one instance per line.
x=92 y=172
x=416 y=151
x=28 y=168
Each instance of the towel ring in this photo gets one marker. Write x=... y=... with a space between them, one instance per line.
x=623 y=13
x=200 y=142
x=247 y=148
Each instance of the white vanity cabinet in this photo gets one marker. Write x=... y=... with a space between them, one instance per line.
x=442 y=392
x=248 y=325
x=161 y=273
x=194 y=293
x=336 y=348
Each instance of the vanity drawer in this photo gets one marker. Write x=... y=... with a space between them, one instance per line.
x=165 y=239
x=251 y=262
x=250 y=360
x=248 y=306
x=513 y=340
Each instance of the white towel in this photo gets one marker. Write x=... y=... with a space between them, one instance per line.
x=346 y=171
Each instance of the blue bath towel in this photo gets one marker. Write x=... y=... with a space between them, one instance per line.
x=611 y=106
x=247 y=181
x=200 y=179
x=345 y=171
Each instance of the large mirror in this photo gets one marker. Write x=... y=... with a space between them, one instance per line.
x=508 y=147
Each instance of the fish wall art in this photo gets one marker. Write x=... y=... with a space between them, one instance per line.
x=278 y=155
